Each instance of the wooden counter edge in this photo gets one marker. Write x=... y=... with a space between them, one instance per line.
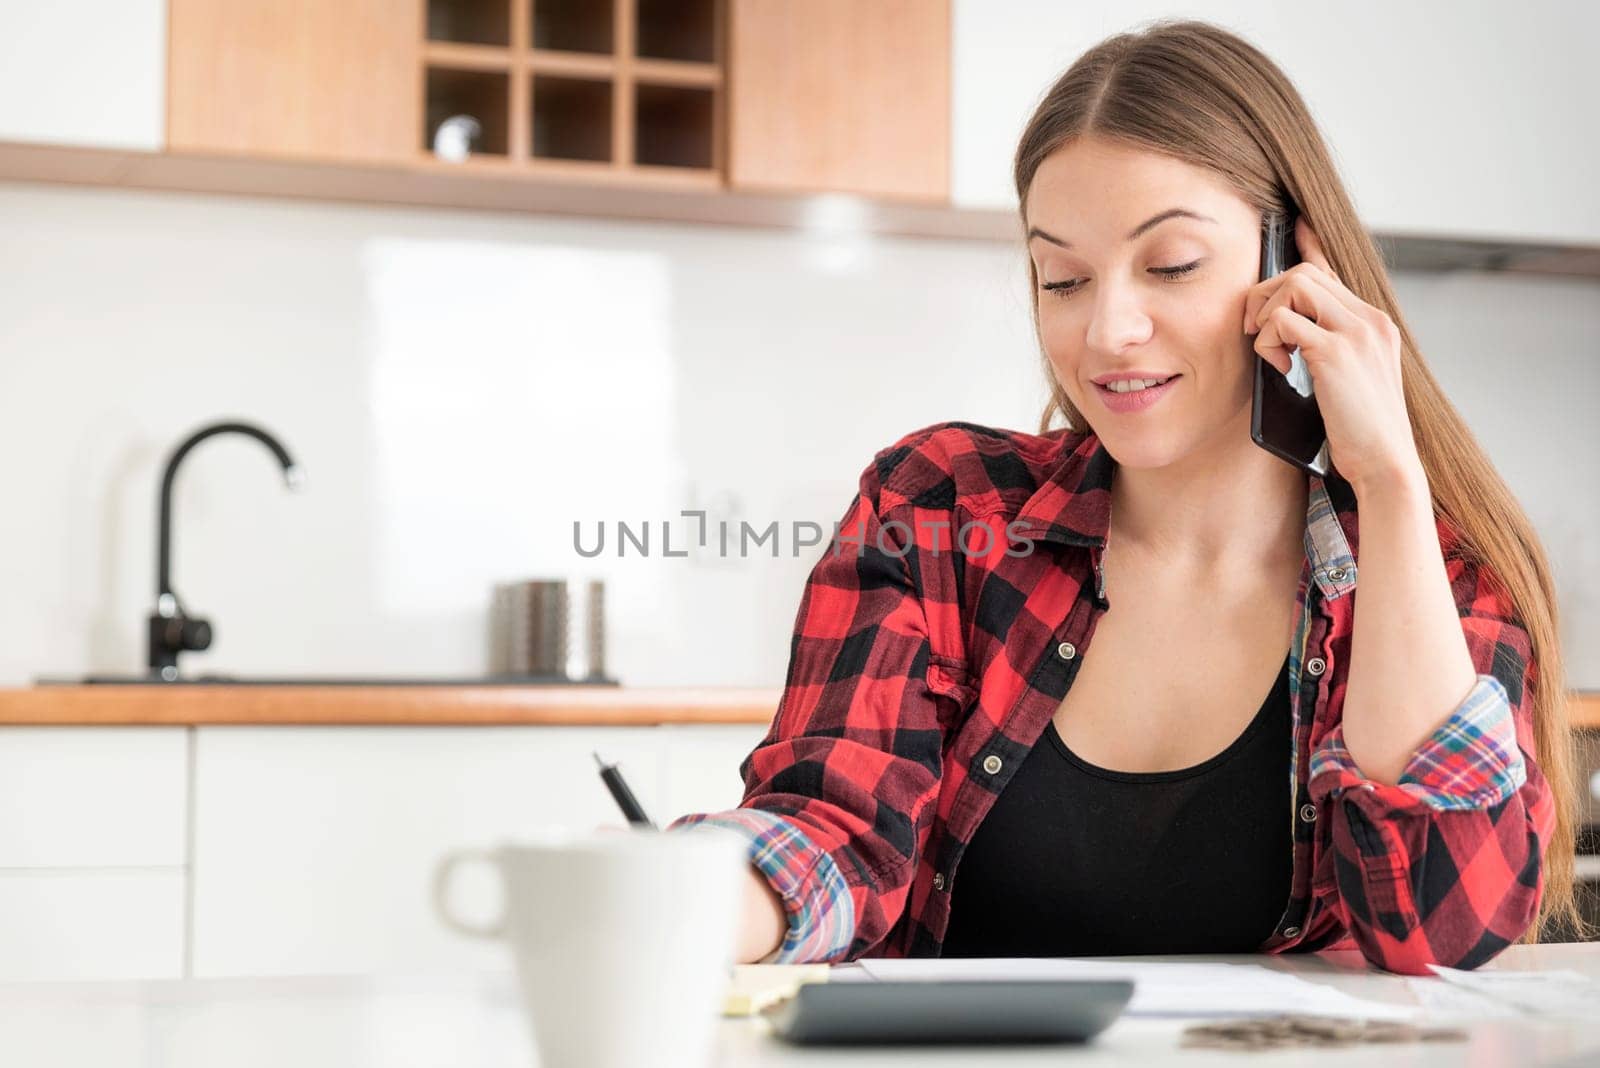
x=383 y=705
x=423 y=705
x=1586 y=709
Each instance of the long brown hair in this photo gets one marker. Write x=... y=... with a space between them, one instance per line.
x=1198 y=93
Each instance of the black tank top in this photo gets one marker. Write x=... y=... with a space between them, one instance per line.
x=1078 y=860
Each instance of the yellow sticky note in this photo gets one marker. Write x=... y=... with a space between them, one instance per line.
x=753 y=987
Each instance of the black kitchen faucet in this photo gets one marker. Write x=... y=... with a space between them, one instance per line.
x=172 y=629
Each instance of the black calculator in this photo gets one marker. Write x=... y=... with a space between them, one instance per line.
x=916 y=1012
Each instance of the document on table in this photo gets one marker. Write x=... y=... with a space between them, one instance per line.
x=1497 y=992
x=1159 y=988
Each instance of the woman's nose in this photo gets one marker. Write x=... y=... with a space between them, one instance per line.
x=1116 y=320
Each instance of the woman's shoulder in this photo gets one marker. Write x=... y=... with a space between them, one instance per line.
x=955 y=460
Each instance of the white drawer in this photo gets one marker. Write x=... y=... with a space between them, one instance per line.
x=700 y=766
x=92 y=797
x=315 y=847
x=91 y=925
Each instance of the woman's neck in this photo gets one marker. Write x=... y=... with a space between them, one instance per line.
x=1231 y=504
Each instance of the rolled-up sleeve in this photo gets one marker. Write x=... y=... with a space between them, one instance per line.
x=836 y=804
x=1444 y=866
x=816 y=901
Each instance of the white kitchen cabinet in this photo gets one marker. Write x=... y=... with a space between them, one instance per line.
x=92 y=797
x=91 y=924
x=700 y=766
x=1471 y=119
x=84 y=72
x=92 y=852
x=315 y=847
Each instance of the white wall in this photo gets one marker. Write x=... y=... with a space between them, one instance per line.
x=459 y=387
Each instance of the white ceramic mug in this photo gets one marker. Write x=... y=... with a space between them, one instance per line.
x=622 y=942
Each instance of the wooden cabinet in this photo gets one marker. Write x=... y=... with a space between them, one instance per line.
x=304 y=79
x=582 y=88
x=805 y=96
x=840 y=95
x=596 y=89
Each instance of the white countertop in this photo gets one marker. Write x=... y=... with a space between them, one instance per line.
x=390 y=1021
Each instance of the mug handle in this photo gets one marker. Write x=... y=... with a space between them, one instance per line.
x=443 y=873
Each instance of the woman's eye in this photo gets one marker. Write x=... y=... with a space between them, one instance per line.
x=1174 y=272
x=1070 y=286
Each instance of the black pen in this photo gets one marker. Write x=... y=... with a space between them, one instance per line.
x=629 y=804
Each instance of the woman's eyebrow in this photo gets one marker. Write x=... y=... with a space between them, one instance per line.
x=1170 y=213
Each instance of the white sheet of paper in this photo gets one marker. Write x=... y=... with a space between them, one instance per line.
x=1441 y=1000
x=1552 y=993
x=1173 y=989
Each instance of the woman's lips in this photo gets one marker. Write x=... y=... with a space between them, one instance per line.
x=1138 y=400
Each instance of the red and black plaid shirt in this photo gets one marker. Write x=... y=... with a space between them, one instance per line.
x=921 y=674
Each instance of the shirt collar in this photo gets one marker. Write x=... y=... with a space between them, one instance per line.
x=1073 y=507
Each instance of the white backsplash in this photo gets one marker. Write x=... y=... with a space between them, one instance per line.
x=460 y=387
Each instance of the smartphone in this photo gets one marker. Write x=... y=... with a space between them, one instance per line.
x=1284 y=417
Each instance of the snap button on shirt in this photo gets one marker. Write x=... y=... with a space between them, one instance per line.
x=938 y=880
x=1308 y=813
x=1316 y=665
x=1066 y=651
x=992 y=764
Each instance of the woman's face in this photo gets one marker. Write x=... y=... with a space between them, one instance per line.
x=1156 y=298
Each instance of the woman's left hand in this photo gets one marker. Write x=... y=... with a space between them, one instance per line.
x=1352 y=351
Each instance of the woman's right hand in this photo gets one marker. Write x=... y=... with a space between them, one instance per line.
x=762 y=922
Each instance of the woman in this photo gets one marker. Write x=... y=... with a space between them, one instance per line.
x=1110 y=688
